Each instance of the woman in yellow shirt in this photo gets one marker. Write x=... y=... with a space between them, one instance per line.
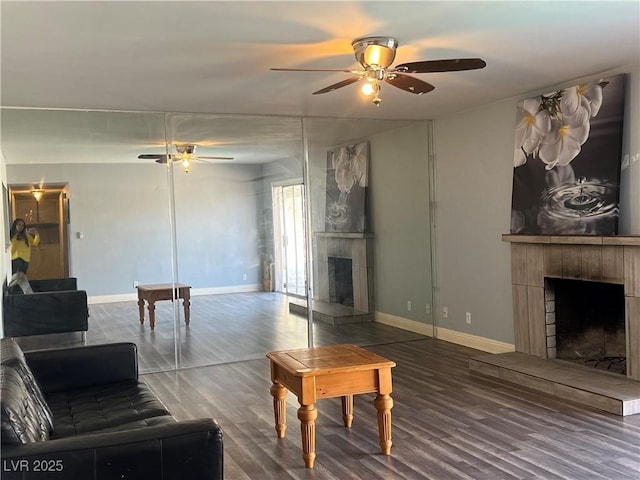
x=22 y=239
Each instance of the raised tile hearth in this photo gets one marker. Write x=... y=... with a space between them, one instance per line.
x=606 y=391
x=331 y=313
x=535 y=259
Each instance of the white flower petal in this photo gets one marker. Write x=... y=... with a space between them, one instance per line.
x=577 y=126
x=594 y=96
x=570 y=101
x=531 y=105
x=560 y=152
x=519 y=158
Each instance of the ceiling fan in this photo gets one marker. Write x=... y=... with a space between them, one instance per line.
x=376 y=54
x=186 y=154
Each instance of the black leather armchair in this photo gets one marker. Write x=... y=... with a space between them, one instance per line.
x=55 y=306
x=106 y=423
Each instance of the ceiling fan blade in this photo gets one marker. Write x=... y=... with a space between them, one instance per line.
x=338 y=85
x=434 y=66
x=215 y=158
x=314 y=70
x=409 y=84
x=152 y=156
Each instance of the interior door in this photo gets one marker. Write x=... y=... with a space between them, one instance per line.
x=289 y=228
x=47 y=213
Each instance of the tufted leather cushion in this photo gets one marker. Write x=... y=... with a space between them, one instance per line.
x=102 y=407
x=143 y=423
x=21 y=415
x=11 y=355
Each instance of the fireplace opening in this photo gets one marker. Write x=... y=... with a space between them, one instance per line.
x=590 y=324
x=340 y=281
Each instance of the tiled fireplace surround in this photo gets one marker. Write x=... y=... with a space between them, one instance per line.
x=359 y=248
x=607 y=259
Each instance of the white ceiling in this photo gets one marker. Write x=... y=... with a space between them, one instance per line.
x=214 y=57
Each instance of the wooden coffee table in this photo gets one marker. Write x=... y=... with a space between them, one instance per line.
x=326 y=372
x=162 y=291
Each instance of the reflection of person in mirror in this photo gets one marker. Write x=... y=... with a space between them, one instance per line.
x=22 y=239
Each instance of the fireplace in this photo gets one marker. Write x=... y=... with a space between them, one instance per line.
x=539 y=266
x=344 y=269
x=340 y=281
x=585 y=323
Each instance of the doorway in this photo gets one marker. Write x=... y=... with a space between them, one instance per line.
x=46 y=209
x=289 y=239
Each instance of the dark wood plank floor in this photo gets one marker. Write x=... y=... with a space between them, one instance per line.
x=224 y=328
x=448 y=423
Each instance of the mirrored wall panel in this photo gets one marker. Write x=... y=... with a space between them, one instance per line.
x=371 y=238
x=225 y=171
x=113 y=225
x=201 y=238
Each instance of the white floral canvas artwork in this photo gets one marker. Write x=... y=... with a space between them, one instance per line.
x=347 y=177
x=567 y=157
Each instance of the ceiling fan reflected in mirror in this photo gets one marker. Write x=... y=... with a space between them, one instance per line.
x=375 y=55
x=186 y=154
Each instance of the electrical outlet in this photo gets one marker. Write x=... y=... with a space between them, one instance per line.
x=445 y=312
x=409 y=305
x=428 y=309
x=135 y=283
x=468 y=317
x=244 y=276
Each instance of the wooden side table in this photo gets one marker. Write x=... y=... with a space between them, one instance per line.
x=326 y=372
x=163 y=291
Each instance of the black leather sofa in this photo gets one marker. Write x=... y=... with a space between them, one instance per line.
x=54 y=306
x=82 y=413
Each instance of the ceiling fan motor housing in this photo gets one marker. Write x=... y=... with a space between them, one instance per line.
x=186 y=149
x=375 y=51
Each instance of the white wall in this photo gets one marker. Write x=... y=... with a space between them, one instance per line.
x=474 y=161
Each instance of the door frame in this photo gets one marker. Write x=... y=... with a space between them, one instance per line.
x=62 y=192
x=279 y=262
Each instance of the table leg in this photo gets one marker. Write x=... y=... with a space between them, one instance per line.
x=279 y=393
x=384 y=404
x=347 y=410
x=307 y=415
x=187 y=307
x=152 y=313
x=141 y=308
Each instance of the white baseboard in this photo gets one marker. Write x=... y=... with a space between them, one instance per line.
x=405 y=324
x=128 y=297
x=125 y=297
x=472 y=341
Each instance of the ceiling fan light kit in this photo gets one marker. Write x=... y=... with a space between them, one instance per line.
x=376 y=54
x=186 y=155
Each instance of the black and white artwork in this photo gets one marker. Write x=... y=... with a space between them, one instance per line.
x=347 y=177
x=568 y=151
